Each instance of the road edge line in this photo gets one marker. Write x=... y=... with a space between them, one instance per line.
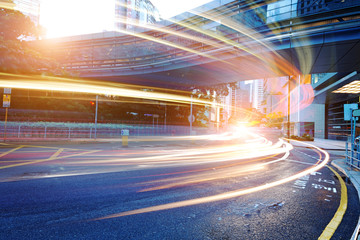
x=357 y=187
x=340 y=212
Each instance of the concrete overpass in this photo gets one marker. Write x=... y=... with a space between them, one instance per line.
x=315 y=37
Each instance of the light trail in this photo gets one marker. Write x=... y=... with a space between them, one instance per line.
x=175 y=33
x=213 y=154
x=226 y=195
x=87 y=86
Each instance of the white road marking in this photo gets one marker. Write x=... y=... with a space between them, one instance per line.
x=319 y=186
x=326 y=181
x=300 y=184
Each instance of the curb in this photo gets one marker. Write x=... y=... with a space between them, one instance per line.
x=342 y=167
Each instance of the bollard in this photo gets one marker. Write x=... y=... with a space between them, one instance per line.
x=124 y=141
x=124 y=135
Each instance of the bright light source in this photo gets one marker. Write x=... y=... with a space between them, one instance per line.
x=241 y=127
x=353 y=88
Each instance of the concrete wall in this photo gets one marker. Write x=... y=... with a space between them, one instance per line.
x=315 y=113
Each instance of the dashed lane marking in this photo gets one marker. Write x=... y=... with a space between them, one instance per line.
x=336 y=220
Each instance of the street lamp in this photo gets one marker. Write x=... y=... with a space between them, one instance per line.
x=164 y=104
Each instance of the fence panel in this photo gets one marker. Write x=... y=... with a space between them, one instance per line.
x=29 y=130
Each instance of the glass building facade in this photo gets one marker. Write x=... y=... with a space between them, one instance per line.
x=132 y=12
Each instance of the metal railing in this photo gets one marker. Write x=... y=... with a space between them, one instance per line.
x=353 y=153
x=19 y=131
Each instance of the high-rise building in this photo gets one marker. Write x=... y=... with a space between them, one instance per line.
x=134 y=12
x=256 y=91
x=30 y=8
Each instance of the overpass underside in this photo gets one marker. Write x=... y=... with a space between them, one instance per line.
x=302 y=37
x=340 y=56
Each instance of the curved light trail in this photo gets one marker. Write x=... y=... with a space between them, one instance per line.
x=226 y=195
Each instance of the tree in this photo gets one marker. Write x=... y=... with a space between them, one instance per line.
x=17 y=55
x=15 y=25
x=274 y=120
x=211 y=94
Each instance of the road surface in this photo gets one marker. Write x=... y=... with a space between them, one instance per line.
x=231 y=186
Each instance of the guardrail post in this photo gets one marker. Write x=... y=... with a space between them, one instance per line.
x=45 y=132
x=347 y=150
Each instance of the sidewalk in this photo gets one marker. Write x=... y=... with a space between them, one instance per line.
x=340 y=164
x=333 y=145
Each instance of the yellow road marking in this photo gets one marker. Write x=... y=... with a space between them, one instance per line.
x=33 y=146
x=12 y=161
x=53 y=157
x=336 y=220
x=10 y=151
x=38 y=151
x=56 y=154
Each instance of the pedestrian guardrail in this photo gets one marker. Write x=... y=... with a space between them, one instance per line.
x=353 y=153
x=18 y=130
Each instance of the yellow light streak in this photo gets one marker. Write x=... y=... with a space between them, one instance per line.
x=158 y=28
x=224 y=20
x=171 y=44
x=7 y=5
x=87 y=86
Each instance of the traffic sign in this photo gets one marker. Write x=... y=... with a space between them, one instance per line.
x=193 y=118
x=6 y=100
x=348 y=108
x=125 y=132
x=7 y=90
x=356 y=113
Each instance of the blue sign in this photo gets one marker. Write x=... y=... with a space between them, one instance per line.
x=125 y=132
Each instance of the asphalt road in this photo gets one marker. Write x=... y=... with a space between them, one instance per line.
x=170 y=189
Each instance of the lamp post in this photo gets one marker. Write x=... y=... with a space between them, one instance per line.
x=164 y=104
x=96 y=113
x=191 y=115
x=288 y=110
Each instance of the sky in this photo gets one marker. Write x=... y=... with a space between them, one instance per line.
x=74 y=17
